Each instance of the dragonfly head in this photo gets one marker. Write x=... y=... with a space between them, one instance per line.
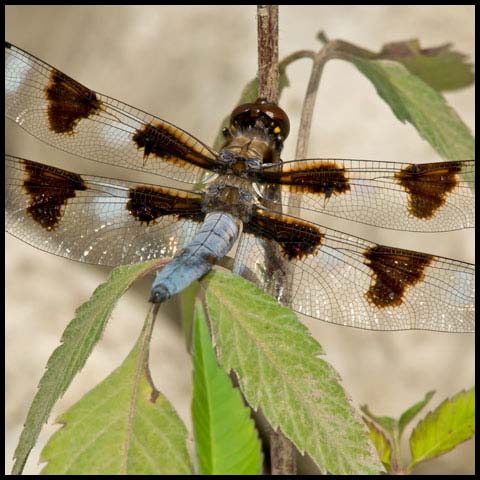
x=263 y=116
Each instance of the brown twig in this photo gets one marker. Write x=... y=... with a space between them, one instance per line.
x=319 y=60
x=282 y=454
x=267 y=31
x=282 y=451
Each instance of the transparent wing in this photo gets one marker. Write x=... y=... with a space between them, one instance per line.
x=89 y=219
x=63 y=113
x=355 y=283
x=431 y=197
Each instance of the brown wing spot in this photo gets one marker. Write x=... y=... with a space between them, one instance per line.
x=168 y=143
x=147 y=203
x=428 y=186
x=69 y=102
x=296 y=238
x=327 y=178
x=393 y=270
x=49 y=189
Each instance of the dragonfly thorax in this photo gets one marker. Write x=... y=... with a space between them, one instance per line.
x=229 y=199
x=242 y=155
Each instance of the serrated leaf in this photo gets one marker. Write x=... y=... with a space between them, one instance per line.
x=413 y=101
x=440 y=67
x=381 y=444
x=276 y=362
x=124 y=426
x=225 y=436
x=451 y=423
x=409 y=414
x=78 y=340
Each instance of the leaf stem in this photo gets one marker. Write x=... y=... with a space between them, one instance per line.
x=397 y=453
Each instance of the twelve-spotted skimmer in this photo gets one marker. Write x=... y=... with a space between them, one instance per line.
x=317 y=271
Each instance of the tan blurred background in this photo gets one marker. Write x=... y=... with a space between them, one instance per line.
x=188 y=65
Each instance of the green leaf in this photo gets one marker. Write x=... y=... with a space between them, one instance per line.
x=225 y=436
x=187 y=303
x=394 y=428
x=381 y=444
x=409 y=414
x=277 y=365
x=124 y=426
x=389 y=424
x=449 y=424
x=77 y=342
x=440 y=67
x=413 y=101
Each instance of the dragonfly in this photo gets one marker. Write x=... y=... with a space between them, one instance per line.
x=239 y=197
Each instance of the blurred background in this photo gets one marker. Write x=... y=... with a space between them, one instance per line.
x=188 y=65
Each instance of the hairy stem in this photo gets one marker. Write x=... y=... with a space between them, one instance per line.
x=267 y=31
x=282 y=451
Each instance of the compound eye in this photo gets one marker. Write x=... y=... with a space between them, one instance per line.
x=261 y=112
x=280 y=124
